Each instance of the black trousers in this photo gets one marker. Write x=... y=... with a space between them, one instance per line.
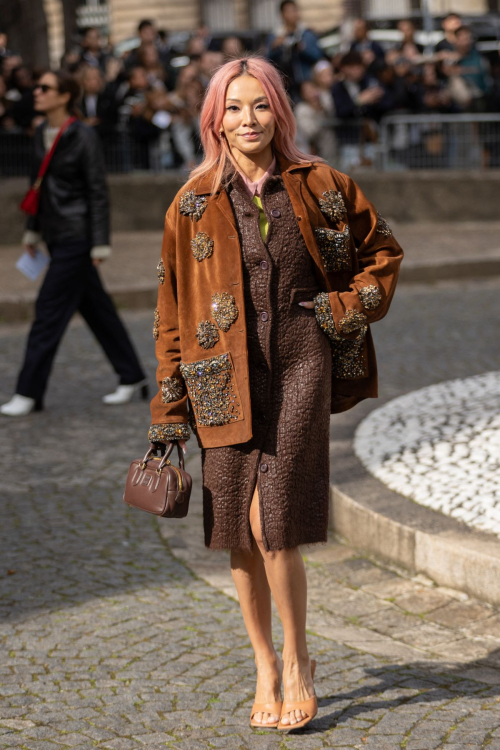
x=72 y=283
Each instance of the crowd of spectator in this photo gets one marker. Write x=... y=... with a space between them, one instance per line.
x=149 y=97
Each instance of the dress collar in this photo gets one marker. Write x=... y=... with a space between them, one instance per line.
x=255 y=188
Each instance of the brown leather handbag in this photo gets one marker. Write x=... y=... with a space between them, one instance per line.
x=155 y=485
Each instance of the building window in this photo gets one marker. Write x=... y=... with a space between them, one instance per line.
x=218 y=15
x=93 y=13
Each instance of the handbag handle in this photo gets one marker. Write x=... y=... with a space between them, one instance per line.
x=154 y=447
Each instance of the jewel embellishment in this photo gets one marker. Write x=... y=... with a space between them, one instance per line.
x=207 y=334
x=202 y=246
x=224 y=310
x=171 y=390
x=163 y=433
x=156 y=325
x=347 y=354
x=160 y=270
x=382 y=226
x=332 y=205
x=192 y=205
x=211 y=390
x=370 y=296
x=352 y=321
x=334 y=248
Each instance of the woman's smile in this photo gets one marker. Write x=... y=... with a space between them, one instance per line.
x=250 y=136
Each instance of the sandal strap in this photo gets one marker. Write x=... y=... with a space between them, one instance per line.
x=309 y=706
x=267 y=708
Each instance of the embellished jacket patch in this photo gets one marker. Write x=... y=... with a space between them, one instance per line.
x=335 y=248
x=212 y=390
x=202 y=246
x=332 y=205
x=348 y=356
x=192 y=205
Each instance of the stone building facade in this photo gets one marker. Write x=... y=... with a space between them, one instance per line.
x=122 y=16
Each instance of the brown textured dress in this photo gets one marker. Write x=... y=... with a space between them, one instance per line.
x=290 y=385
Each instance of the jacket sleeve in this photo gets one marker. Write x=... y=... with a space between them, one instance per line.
x=310 y=51
x=372 y=288
x=97 y=189
x=169 y=410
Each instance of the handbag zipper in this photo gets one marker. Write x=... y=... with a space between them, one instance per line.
x=179 y=475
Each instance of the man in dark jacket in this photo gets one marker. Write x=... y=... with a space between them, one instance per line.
x=357 y=94
x=294 y=49
x=371 y=52
x=98 y=106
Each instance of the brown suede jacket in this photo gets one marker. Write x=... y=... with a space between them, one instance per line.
x=199 y=323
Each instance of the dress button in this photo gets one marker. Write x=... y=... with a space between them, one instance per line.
x=262 y=367
x=264 y=467
x=264 y=265
x=275 y=213
x=264 y=316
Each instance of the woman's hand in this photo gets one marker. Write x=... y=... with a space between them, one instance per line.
x=31 y=250
x=309 y=305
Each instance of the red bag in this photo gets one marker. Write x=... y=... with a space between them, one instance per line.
x=31 y=200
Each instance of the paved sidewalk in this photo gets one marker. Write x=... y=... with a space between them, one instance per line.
x=109 y=640
x=432 y=252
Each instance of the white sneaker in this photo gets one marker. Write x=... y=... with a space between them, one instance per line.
x=124 y=393
x=18 y=406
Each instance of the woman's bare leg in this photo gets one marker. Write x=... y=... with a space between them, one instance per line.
x=286 y=576
x=249 y=575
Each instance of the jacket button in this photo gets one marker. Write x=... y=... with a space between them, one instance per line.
x=262 y=367
x=264 y=265
x=264 y=316
x=299 y=218
x=264 y=467
x=262 y=419
x=275 y=213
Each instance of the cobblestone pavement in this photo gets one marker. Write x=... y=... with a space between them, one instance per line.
x=109 y=640
x=440 y=446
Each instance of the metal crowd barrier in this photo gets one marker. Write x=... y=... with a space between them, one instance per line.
x=435 y=141
x=397 y=142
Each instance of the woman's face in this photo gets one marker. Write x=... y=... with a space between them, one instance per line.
x=46 y=94
x=248 y=122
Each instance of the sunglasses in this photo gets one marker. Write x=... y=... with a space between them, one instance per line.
x=44 y=87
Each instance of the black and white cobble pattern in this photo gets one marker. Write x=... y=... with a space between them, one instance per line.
x=440 y=446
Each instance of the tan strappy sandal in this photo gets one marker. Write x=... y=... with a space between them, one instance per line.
x=309 y=707
x=267 y=708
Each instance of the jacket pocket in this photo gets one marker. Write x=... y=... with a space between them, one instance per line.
x=334 y=248
x=212 y=390
x=350 y=357
x=303 y=294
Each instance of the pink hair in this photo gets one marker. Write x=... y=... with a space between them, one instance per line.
x=217 y=151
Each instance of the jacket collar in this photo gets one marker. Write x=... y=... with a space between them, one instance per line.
x=204 y=185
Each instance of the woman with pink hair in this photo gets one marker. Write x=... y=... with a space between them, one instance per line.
x=273 y=265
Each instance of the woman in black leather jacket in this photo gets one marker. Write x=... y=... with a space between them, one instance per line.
x=73 y=220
